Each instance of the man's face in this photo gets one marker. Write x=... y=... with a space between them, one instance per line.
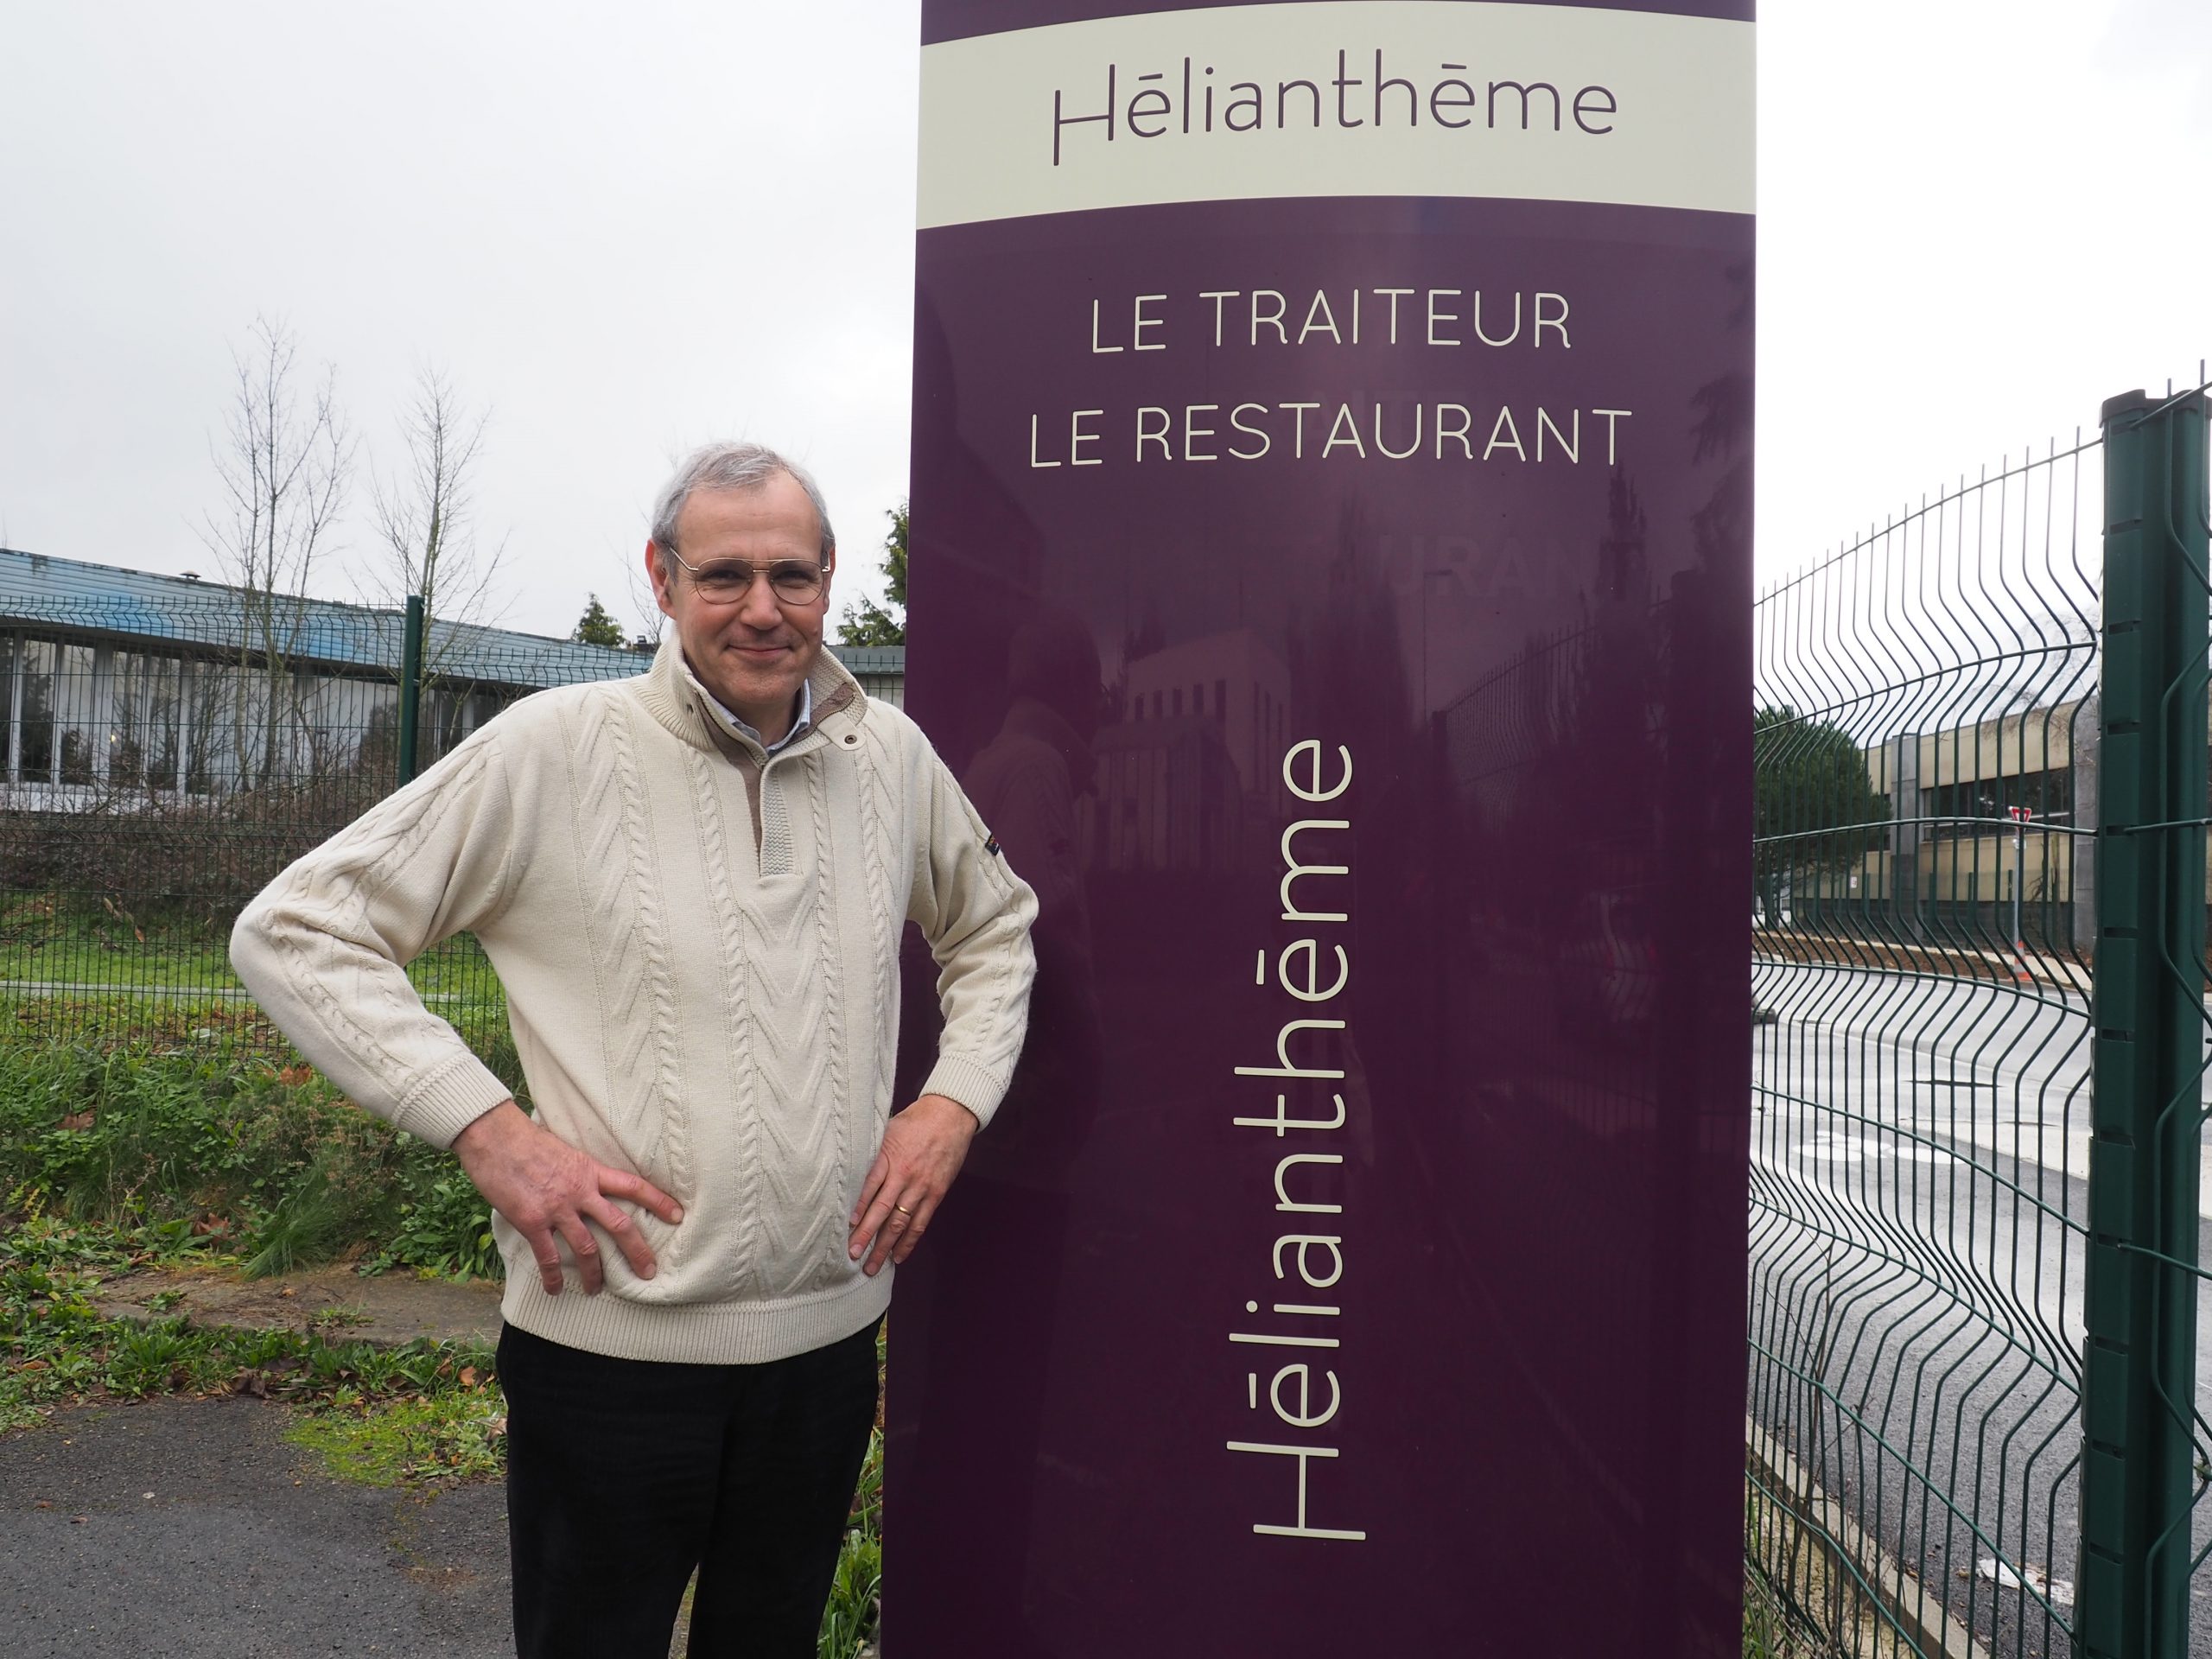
x=754 y=652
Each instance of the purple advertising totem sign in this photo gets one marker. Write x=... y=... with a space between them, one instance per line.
x=1331 y=580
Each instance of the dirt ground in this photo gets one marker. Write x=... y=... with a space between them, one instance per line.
x=390 y=1309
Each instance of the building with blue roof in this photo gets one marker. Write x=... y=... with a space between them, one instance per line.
x=115 y=682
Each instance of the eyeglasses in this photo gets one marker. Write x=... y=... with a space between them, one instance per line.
x=794 y=581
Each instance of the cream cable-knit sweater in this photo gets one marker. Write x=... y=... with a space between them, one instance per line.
x=699 y=945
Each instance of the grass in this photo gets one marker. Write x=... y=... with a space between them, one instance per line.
x=56 y=1347
x=1768 y=1633
x=209 y=1140
x=850 y=1619
x=94 y=970
x=43 y=936
x=1800 y=1600
x=200 y=1154
x=455 y=1434
x=170 y=1100
x=169 y=1125
x=44 y=939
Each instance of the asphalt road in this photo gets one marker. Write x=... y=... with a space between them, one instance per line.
x=188 y=1527
x=1918 y=1157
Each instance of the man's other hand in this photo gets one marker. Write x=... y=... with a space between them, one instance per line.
x=545 y=1187
x=923 y=1149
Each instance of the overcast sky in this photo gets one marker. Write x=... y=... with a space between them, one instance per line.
x=626 y=231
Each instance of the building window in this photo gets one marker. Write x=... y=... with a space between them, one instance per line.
x=34 y=755
x=128 y=674
x=8 y=701
x=77 y=714
x=1981 y=806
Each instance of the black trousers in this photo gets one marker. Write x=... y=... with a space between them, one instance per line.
x=623 y=1475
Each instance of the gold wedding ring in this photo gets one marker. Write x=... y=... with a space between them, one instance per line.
x=902 y=1209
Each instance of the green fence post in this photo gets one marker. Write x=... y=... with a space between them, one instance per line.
x=2138 y=1371
x=410 y=688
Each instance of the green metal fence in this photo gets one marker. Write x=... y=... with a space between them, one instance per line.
x=1978 y=1062
x=168 y=749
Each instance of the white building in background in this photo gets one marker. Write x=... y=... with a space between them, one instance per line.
x=115 y=682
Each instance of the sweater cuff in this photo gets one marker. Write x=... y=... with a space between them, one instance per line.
x=967 y=1082
x=450 y=1099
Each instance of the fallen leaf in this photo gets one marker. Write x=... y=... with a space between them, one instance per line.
x=43 y=1503
x=77 y=1121
x=78 y=1520
x=468 y=1377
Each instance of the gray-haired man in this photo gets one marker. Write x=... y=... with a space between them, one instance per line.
x=692 y=885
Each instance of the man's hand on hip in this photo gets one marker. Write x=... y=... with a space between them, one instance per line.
x=545 y=1187
x=923 y=1149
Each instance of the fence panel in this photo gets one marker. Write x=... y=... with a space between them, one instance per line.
x=168 y=750
x=1925 y=753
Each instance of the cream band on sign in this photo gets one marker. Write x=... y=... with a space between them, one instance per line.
x=1340 y=98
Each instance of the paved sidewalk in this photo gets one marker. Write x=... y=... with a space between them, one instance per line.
x=189 y=1529
x=184 y=1528
x=179 y=1528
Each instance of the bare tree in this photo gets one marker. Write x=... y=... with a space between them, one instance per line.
x=426 y=517
x=284 y=456
x=426 y=514
x=644 y=605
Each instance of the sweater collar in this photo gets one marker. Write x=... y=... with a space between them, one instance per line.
x=737 y=726
x=677 y=701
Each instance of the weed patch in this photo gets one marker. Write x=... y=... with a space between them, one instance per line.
x=266 y=1161
x=848 y=1620
x=454 y=1435
x=56 y=1347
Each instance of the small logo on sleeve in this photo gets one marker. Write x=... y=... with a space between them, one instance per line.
x=991 y=846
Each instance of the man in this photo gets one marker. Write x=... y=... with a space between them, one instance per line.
x=692 y=885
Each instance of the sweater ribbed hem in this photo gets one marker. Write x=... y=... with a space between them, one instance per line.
x=695 y=1334
x=449 y=1100
x=967 y=1082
